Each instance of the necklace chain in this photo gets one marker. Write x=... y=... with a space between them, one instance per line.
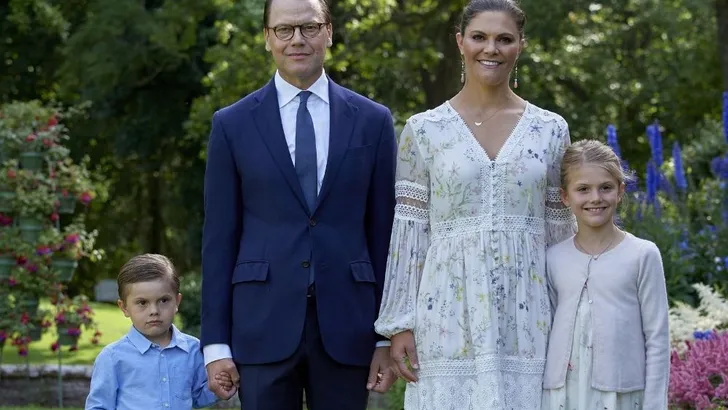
x=478 y=124
x=592 y=256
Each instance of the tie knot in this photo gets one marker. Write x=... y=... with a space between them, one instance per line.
x=304 y=96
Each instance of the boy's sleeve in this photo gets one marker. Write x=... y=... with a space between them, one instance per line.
x=201 y=394
x=104 y=383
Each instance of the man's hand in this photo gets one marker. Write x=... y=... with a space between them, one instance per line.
x=214 y=369
x=381 y=373
x=403 y=348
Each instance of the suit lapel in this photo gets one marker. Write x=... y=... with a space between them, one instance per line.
x=343 y=115
x=267 y=117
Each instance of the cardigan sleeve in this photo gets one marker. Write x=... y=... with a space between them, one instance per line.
x=652 y=294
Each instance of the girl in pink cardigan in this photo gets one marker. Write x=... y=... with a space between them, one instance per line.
x=609 y=346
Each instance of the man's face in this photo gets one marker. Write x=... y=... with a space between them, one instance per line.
x=300 y=58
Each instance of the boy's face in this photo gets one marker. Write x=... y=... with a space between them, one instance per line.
x=151 y=307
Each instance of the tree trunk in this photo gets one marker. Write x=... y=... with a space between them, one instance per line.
x=154 y=187
x=443 y=82
x=721 y=8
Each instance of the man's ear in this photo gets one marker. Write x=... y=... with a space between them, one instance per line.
x=266 y=35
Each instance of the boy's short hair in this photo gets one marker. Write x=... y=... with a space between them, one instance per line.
x=146 y=268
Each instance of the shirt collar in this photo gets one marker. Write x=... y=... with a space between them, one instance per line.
x=143 y=344
x=287 y=91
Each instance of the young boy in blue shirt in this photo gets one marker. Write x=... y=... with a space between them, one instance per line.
x=154 y=365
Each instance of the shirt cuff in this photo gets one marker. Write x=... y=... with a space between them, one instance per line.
x=215 y=352
x=384 y=343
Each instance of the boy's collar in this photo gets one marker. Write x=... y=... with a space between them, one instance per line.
x=143 y=344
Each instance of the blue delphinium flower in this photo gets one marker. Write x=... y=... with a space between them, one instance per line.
x=631 y=185
x=725 y=114
x=612 y=140
x=653 y=184
x=704 y=335
x=654 y=137
x=680 y=180
x=719 y=167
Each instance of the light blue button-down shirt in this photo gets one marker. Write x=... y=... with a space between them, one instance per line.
x=133 y=374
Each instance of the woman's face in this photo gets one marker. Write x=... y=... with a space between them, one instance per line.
x=490 y=47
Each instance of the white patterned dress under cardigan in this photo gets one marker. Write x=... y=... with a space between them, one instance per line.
x=578 y=393
x=467 y=259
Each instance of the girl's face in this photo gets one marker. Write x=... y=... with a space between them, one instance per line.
x=593 y=194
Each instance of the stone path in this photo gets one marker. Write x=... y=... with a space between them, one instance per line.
x=40 y=387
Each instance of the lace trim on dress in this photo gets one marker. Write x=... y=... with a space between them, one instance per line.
x=482 y=223
x=553 y=195
x=485 y=383
x=480 y=364
x=559 y=215
x=408 y=212
x=413 y=190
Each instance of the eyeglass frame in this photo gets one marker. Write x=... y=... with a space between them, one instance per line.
x=299 y=27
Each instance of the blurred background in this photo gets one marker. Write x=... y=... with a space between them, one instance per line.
x=151 y=73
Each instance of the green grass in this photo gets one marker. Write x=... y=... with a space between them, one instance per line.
x=111 y=323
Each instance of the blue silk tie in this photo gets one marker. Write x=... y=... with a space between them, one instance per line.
x=306 y=164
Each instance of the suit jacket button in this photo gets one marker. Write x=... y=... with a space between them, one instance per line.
x=306 y=264
x=312 y=222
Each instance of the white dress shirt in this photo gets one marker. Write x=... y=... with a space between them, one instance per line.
x=318 y=107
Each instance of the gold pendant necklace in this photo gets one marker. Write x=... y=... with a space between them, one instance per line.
x=478 y=124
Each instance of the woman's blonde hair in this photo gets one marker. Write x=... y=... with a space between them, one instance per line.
x=592 y=152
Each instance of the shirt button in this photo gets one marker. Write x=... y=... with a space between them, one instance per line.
x=306 y=264
x=164 y=379
x=162 y=355
x=312 y=222
x=166 y=404
x=590 y=301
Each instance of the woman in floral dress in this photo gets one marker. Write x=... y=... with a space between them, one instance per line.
x=465 y=299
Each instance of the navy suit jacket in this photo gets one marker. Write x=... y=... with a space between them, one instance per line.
x=258 y=233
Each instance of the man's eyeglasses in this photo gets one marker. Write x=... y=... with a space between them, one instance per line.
x=285 y=32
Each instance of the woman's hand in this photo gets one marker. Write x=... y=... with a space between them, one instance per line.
x=403 y=348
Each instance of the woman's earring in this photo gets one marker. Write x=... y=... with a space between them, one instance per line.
x=515 y=79
x=462 y=71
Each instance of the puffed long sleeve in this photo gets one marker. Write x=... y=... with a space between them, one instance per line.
x=409 y=240
x=560 y=222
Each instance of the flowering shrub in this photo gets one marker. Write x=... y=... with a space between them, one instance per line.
x=73 y=179
x=681 y=204
x=72 y=316
x=30 y=127
x=698 y=375
x=688 y=323
x=76 y=242
x=36 y=179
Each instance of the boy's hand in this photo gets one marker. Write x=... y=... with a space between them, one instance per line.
x=225 y=381
x=226 y=366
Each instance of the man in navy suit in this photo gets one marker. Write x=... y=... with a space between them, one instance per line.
x=299 y=202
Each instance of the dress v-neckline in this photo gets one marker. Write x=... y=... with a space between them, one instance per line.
x=506 y=144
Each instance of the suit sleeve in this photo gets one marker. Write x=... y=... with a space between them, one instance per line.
x=220 y=236
x=380 y=204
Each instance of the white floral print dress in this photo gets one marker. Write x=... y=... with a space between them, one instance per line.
x=467 y=259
